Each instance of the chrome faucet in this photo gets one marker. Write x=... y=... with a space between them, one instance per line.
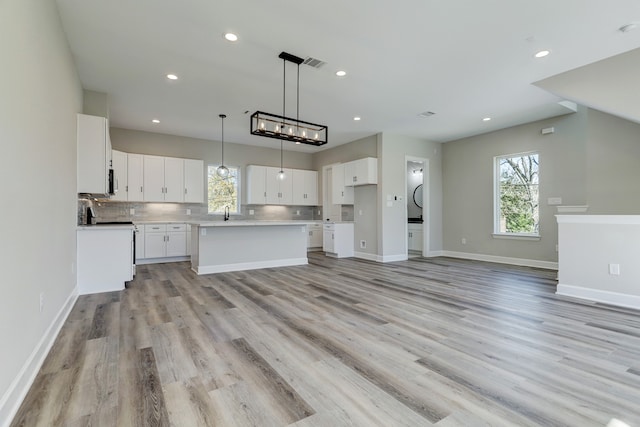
x=226 y=213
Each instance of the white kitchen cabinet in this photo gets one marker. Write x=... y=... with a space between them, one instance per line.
x=188 y=239
x=193 y=181
x=135 y=177
x=361 y=172
x=414 y=241
x=119 y=165
x=314 y=236
x=163 y=179
x=278 y=191
x=256 y=188
x=338 y=240
x=165 y=240
x=340 y=195
x=304 y=187
x=93 y=154
x=139 y=230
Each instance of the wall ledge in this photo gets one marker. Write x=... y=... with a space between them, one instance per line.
x=607 y=297
x=599 y=219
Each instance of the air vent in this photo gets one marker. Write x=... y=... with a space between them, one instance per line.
x=313 y=62
x=426 y=114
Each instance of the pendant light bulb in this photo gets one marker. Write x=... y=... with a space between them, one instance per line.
x=281 y=175
x=222 y=170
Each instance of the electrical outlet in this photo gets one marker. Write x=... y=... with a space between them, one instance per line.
x=188 y=211
x=360 y=212
x=363 y=244
x=251 y=211
x=41 y=301
x=464 y=241
x=297 y=212
x=614 y=269
x=203 y=231
x=132 y=211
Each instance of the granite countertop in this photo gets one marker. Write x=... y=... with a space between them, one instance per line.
x=105 y=227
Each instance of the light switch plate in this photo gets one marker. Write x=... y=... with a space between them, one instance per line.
x=554 y=201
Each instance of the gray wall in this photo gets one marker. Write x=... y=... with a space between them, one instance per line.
x=41 y=96
x=468 y=184
x=613 y=164
x=392 y=172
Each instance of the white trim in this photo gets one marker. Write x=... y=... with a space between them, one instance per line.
x=240 y=266
x=516 y=236
x=367 y=256
x=572 y=209
x=393 y=258
x=144 y=261
x=597 y=295
x=435 y=254
x=503 y=260
x=15 y=394
x=599 y=219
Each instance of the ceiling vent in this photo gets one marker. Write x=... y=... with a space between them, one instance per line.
x=313 y=62
x=426 y=114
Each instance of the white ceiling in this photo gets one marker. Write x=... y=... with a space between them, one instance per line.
x=462 y=59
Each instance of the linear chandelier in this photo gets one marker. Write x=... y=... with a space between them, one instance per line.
x=287 y=128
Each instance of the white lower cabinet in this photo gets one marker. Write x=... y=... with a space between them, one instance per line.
x=165 y=240
x=314 y=236
x=414 y=242
x=338 y=240
x=139 y=242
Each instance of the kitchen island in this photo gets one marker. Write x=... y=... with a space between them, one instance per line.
x=221 y=246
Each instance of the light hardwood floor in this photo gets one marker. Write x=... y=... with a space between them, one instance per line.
x=340 y=342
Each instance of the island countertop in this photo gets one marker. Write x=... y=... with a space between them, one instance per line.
x=245 y=223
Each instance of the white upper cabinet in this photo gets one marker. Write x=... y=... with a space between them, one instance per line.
x=173 y=179
x=340 y=195
x=361 y=172
x=135 y=177
x=278 y=191
x=193 y=181
x=119 y=165
x=94 y=154
x=256 y=185
x=163 y=179
x=305 y=187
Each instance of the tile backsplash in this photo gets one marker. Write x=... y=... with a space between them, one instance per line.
x=107 y=211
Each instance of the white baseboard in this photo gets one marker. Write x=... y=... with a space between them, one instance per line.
x=502 y=260
x=367 y=256
x=15 y=394
x=597 y=295
x=393 y=258
x=223 y=268
x=162 y=260
x=435 y=254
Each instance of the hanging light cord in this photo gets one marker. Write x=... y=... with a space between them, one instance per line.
x=284 y=100
x=298 y=102
x=222 y=162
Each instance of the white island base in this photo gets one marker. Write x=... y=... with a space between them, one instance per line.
x=218 y=247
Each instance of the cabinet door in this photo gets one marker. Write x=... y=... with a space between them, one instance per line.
x=327 y=241
x=340 y=195
x=155 y=245
x=135 y=178
x=193 y=181
x=153 y=177
x=272 y=186
x=256 y=185
x=119 y=165
x=188 y=239
x=350 y=173
x=285 y=188
x=298 y=187
x=311 y=188
x=304 y=187
x=176 y=243
x=173 y=180
x=140 y=244
x=93 y=154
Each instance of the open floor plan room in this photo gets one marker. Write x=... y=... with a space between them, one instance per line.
x=340 y=342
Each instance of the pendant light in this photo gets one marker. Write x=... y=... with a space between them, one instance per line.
x=281 y=174
x=222 y=170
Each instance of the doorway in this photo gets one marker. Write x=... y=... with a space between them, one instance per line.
x=416 y=197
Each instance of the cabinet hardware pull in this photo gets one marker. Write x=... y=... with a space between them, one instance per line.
x=141 y=189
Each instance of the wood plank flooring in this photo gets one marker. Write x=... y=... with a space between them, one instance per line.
x=340 y=342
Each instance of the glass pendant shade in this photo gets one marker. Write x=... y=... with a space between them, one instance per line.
x=222 y=171
x=281 y=175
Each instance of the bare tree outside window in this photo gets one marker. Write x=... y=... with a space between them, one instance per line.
x=518 y=194
x=222 y=191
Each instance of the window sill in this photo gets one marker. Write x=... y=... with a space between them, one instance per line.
x=513 y=236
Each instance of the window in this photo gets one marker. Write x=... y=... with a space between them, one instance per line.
x=223 y=191
x=517 y=195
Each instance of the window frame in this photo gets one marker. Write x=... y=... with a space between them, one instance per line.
x=238 y=190
x=496 y=199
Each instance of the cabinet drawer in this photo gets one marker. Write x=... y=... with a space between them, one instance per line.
x=155 y=228
x=176 y=227
x=314 y=226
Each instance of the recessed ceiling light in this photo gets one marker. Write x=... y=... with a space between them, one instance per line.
x=357 y=119
x=172 y=77
x=486 y=119
x=341 y=73
x=155 y=121
x=542 y=53
x=231 y=37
